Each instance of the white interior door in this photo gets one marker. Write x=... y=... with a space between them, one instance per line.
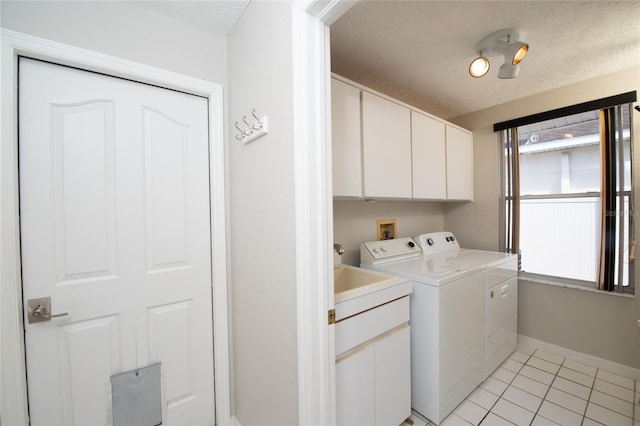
x=114 y=205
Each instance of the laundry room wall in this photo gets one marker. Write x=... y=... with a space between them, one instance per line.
x=122 y=30
x=263 y=228
x=354 y=221
x=596 y=324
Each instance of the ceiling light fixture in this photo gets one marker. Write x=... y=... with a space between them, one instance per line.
x=506 y=43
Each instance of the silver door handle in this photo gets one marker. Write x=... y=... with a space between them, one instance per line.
x=39 y=310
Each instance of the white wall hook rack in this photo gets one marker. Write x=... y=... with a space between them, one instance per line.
x=250 y=132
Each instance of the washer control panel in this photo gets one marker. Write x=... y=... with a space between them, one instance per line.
x=378 y=252
x=436 y=242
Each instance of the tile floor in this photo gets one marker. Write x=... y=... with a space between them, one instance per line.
x=533 y=387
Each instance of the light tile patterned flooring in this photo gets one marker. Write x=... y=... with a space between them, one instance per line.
x=533 y=387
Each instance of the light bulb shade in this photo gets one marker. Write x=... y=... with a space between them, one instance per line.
x=508 y=70
x=516 y=52
x=479 y=67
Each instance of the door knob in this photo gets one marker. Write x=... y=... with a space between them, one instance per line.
x=39 y=310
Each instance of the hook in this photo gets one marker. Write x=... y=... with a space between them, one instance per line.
x=241 y=132
x=250 y=130
x=253 y=112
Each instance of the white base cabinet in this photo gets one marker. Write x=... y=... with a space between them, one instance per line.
x=373 y=383
x=373 y=365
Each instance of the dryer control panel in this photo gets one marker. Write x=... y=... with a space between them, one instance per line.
x=379 y=252
x=437 y=242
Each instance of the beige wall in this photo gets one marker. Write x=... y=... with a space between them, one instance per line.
x=600 y=325
x=354 y=221
x=262 y=219
x=122 y=30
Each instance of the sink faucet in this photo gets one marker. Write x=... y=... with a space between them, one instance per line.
x=339 y=249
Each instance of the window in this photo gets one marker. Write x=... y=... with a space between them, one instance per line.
x=568 y=205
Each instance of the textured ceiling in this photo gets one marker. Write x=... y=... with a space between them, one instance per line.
x=419 y=51
x=213 y=16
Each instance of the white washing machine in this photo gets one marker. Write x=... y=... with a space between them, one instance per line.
x=450 y=314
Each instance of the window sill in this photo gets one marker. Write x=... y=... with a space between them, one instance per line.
x=555 y=282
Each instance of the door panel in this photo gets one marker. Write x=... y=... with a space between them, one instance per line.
x=114 y=199
x=169 y=326
x=85 y=229
x=165 y=146
x=87 y=349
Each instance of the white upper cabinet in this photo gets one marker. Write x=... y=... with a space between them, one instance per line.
x=459 y=164
x=429 y=158
x=385 y=149
x=386 y=146
x=346 y=140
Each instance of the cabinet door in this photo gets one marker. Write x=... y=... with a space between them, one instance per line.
x=393 y=378
x=386 y=140
x=346 y=140
x=355 y=388
x=459 y=164
x=428 y=157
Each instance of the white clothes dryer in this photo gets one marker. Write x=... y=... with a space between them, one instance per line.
x=501 y=292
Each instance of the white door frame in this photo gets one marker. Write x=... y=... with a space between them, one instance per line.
x=314 y=206
x=13 y=391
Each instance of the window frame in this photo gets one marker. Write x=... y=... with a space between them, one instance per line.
x=510 y=196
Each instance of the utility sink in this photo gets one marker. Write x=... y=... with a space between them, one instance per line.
x=347 y=278
x=357 y=290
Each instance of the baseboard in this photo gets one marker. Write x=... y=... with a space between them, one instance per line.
x=235 y=421
x=528 y=344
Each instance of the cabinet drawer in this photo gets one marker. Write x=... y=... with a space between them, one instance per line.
x=358 y=329
x=503 y=272
x=502 y=305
